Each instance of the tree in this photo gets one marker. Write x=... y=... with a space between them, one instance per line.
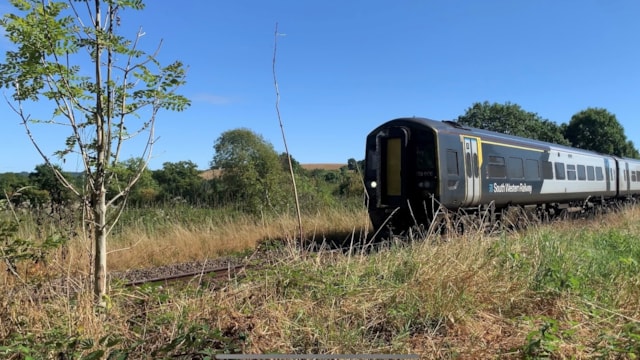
x=513 y=120
x=145 y=190
x=597 y=129
x=251 y=170
x=631 y=151
x=44 y=177
x=96 y=80
x=181 y=179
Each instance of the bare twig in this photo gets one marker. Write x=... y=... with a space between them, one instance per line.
x=284 y=139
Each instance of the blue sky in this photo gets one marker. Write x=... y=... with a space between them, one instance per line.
x=344 y=67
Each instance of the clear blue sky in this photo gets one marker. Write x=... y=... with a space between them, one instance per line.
x=345 y=67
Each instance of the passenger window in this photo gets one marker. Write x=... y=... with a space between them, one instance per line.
x=515 y=168
x=599 y=173
x=531 y=170
x=547 y=170
x=496 y=167
x=452 y=162
x=591 y=173
x=582 y=174
x=571 y=172
x=560 y=175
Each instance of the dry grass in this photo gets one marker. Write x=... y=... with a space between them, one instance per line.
x=565 y=290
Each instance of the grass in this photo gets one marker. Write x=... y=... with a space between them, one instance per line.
x=564 y=290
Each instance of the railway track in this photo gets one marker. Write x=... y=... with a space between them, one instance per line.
x=217 y=273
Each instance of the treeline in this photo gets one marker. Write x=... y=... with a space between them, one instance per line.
x=247 y=174
x=256 y=184
x=593 y=129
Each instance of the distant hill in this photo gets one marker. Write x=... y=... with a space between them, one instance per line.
x=322 y=166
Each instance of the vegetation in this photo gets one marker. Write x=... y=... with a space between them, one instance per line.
x=591 y=129
x=513 y=120
x=599 y=130
x=550 y=291
x=564 y=290
x=53 y=42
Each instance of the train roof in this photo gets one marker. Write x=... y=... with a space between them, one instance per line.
x=452 y=127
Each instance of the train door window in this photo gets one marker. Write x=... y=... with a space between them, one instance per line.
x=475 y=161
x=560 y=175
x=582 y=173
x=571 y=172
x=599 y=173
x=633 y=176
x=547 y=170
x=531 y=170
x=591 y=173
x=626 y=175
x=515 y=168
x=452 y=162
x=496 y=167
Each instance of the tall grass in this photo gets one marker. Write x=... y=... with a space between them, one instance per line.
x=564 y=290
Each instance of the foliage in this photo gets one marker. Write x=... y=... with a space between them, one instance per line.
x=180 y=180
x=44 y=178
x=597 y=129
x=14 y=250
x=252 y=173
x=145 y=190
x=513 y=120
x=95 y=102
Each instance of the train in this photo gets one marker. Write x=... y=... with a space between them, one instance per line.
x=415 y=167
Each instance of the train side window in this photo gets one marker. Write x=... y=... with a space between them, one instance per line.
x=452 y=162
x=547 y=170
x=515 y=168
x=496 y=167
x=531 y=170
x=582 y=173
x=599 y=173
x=591 y=173
x=560 y=175
x=571 y=172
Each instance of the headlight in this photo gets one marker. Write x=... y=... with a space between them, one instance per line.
x=373 y=184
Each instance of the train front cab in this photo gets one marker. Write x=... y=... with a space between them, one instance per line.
x=401 y=173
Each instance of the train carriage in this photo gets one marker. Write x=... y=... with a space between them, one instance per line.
x=414 y=165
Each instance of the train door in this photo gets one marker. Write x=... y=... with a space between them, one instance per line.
x=394 y=170
x=608 y=174
x=623 y=178
x=472 y=171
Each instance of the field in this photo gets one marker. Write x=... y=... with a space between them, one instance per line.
x=562 y=290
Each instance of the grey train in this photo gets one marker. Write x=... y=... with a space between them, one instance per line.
x=413 y=163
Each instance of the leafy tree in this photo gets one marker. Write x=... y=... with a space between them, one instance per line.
x=145 y=190
x=11 y=185
x=297 y=168
x=597 y=129
x=352 y=164
x=181 y=179
x=251 y=170
x=631 y=151
x=513 y=120
x=44 y=177
x=71 y=54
